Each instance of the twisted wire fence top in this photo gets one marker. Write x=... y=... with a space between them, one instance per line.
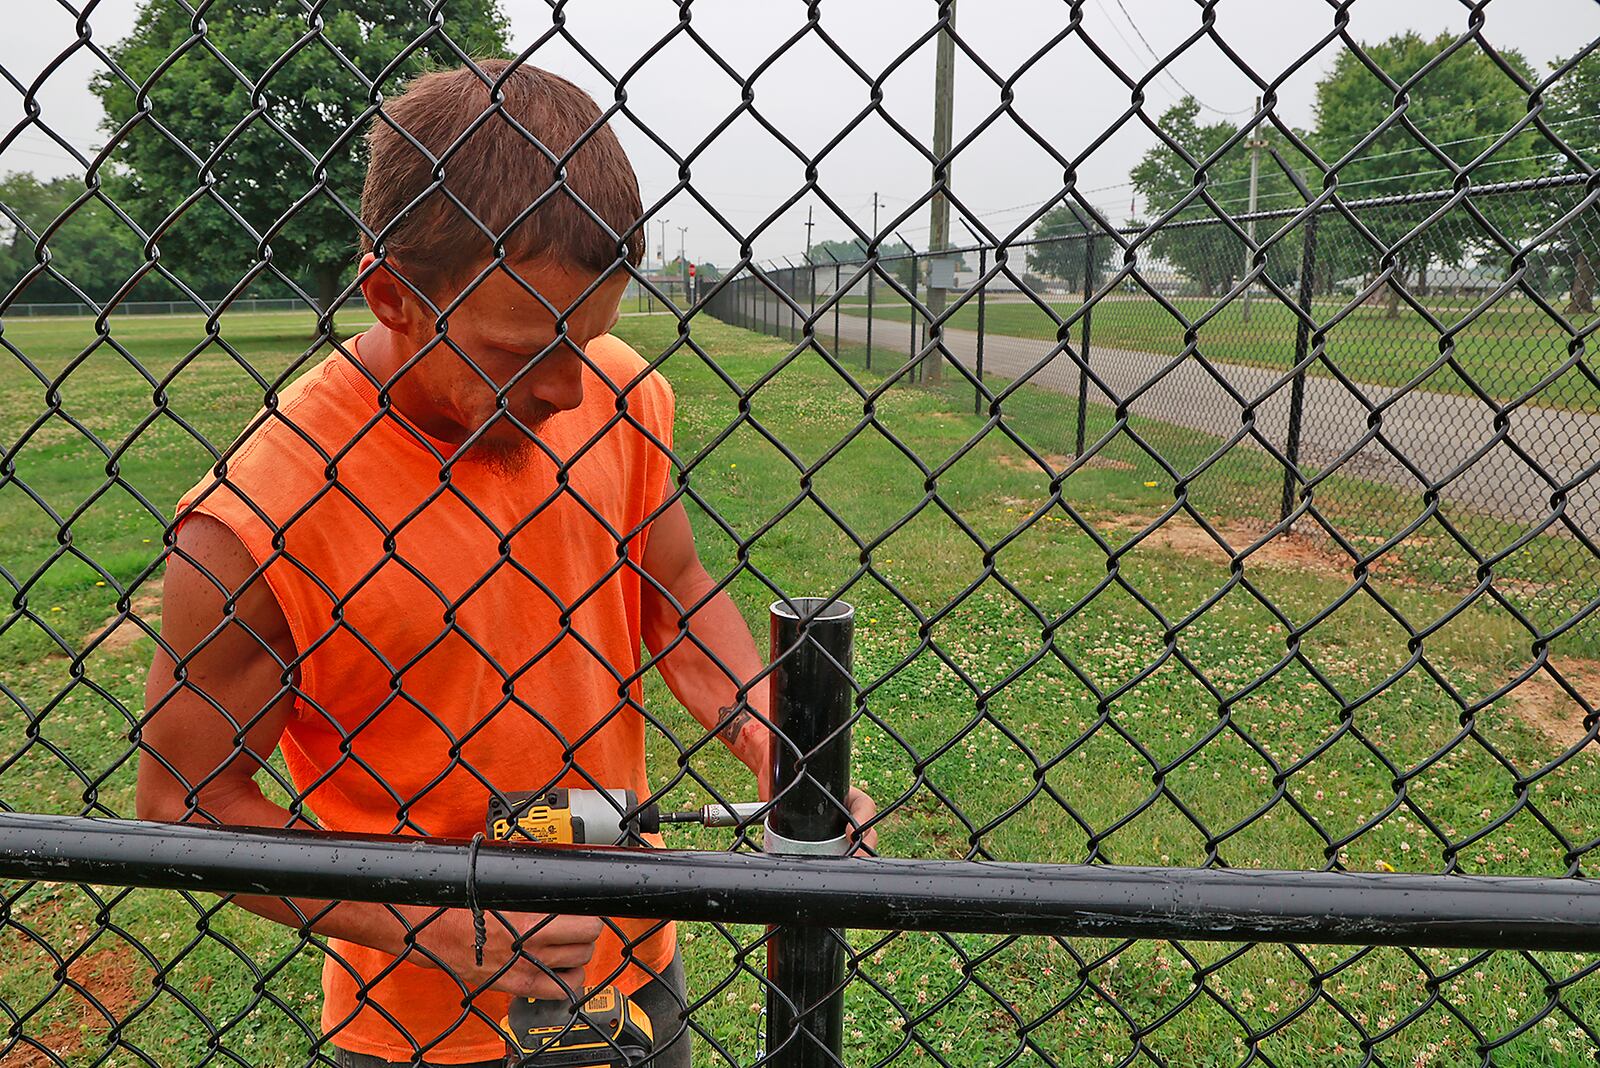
x=1255 y=530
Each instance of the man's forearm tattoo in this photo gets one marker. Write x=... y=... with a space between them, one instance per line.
x=734 y=719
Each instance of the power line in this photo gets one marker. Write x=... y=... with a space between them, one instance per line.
x=1166 y=71
x=1415 y=149
x=1394 y=177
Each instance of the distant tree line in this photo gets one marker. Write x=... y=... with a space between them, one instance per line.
x=1463 y=107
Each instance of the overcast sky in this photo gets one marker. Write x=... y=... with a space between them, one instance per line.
x=1068 y=97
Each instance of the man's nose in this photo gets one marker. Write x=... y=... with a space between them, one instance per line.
x=558 y=380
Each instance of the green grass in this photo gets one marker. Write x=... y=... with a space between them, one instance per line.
x=1023 y=718
x=1507 y=350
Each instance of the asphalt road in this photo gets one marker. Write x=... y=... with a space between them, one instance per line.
x=1447 y=437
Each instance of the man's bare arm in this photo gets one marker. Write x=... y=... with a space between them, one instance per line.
x=700 y=677
x=215 y=721
x=707 y=687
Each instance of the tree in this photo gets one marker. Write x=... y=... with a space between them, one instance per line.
x=90 y=247
x=242 y=144
x=1461 y=106
x=854 y=251
x=1064 y=259
x=1572 y=105
x=1211 y=256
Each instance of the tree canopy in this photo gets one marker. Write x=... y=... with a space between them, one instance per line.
x=1461 y=106
x=93 y=250
x=1065 y=259
x=268 y=124
x=1573 y=112
x=1211 y=256
x=853 y=251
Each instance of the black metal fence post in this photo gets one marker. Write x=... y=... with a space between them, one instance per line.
x=811 y=290
x=911 y=353
x=1297 y=392
x=838 y=300
x=812 y=694
x=983 y=296
x=1083 y=366
x=872 y=275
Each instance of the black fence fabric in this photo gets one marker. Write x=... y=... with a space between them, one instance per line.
x=1219 y=539
x=1384 y=398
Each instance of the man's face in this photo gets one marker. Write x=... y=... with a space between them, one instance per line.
x=510 y=338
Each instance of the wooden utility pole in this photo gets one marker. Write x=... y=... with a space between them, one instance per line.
x=1256 y=143
x=944 y=95
x=872 y=273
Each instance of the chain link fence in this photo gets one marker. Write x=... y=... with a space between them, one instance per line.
x=1321 y=394
x=1179 y=550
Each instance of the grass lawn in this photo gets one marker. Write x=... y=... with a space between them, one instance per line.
x=1066 y=700
x=1507 y=350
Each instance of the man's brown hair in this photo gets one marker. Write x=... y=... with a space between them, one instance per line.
x=497 y=174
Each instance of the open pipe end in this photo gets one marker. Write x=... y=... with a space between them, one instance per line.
x=817 y=609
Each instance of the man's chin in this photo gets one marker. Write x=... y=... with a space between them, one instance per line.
x=503 y=457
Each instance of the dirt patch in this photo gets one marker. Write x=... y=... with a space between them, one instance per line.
x=108 y=976
x=1547 y=708
x=1289 y=550
x=121 y=632
x=1058 y=461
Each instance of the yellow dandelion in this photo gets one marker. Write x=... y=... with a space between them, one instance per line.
x=1151 y=485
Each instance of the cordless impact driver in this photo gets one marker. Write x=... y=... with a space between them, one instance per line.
x=607 y=1029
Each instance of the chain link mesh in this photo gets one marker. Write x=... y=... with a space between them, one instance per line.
x=1252 y=551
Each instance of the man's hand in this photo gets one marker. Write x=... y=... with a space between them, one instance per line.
x=862 y=808
x=708 y=685
x=858 y=803
x=533 y=943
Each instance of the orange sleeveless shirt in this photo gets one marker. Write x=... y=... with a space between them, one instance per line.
x=448 y=664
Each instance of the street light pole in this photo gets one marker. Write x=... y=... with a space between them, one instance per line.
x=661 y=249
x=683 y=264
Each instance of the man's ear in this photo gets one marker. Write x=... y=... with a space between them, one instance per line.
x=391 y=297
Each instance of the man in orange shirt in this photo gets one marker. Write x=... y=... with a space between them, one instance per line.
x=426 y=570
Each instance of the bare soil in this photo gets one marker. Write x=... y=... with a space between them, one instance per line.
x=124 y=632
x=108 y=976
x=1058 y=461
x=1289 y=550
x=1542 y=704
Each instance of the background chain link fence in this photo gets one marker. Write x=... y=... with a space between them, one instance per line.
x=1401 y=387
x=1197 y=542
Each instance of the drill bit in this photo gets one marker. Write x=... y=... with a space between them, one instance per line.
x=716 y=815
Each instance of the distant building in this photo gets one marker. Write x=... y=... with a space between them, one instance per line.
x=1439 y=281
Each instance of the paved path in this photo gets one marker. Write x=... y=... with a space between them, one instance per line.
x=1437 y=432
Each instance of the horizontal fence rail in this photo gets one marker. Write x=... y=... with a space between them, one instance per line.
x=1472 y=912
